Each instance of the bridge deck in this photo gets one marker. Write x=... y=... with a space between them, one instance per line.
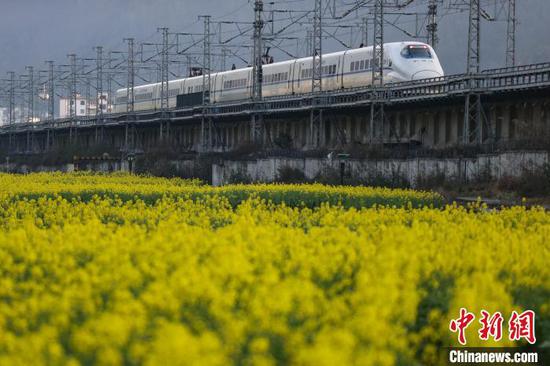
x=490 y=82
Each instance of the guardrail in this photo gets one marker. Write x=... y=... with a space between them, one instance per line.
x=502 y=80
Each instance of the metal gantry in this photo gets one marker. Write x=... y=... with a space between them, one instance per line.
x=73 y=93
x=131 y=74
x=164 y=71
x=256 y=127
x=377 y=106
x=316 y=114
x=511 y=34
x=474 y=38
x=474 y=116
x=51 y=90
x=130 y=95
x=206 y=121
x=99 y=83
x=30 y=94
x=164 y=84
x=11 y=102
x=365 y=32
x=432 y=23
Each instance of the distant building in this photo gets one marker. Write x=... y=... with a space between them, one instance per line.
x=4 y=116
x=66 y=106
x=84 y=107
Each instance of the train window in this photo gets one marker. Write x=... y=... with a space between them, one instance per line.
x=414 y=51
x=352 y=66
x=362 y=67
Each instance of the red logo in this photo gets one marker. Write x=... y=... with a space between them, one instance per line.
x=459 y=325
x=491 y=326
x=520 y=326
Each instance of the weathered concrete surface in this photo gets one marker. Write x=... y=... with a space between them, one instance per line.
x=99 y=166
x=25 y=169
x=462 y=169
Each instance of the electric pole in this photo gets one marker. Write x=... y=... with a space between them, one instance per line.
x=432 y=23
x=317 y=74
x=164 y=72
x=257 y=71
x=378 y=44
x=130 y=80
x=474 y=42
x=206 y=122
x=51 y=90
x=11 y=109
x=377 y=105
x=30 y=100
x=365 y=32
x=99 y=84
x=72 y=87
x=316 y=114
x=511 y=34
x=164 y=84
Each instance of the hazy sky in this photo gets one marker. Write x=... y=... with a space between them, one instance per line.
x=32 y=31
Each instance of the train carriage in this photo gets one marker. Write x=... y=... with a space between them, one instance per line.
x=340 y=70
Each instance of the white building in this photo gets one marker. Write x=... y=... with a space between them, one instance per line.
x=4 y=116
x=84 y=107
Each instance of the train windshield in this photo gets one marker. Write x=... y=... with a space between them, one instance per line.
x=416 y=52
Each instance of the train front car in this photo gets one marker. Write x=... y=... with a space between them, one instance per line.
x=414 y=61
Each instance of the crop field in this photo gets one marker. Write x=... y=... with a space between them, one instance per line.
x=125 y=270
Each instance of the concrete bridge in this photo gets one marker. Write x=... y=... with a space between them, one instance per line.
x=495 y=105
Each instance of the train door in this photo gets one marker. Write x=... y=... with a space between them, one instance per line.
x=213 y=88
x=292 y=76
x=342 y=70
x=289 y=80
x=299 y=76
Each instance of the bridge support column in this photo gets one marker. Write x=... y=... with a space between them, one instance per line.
x=49 y=140
x=73 y=135
x=376 y=133
x=29 y=146
x=315 y=127
x=475 y=120
x=164 y=131
x=257 y=129
x=316 y=122
x=206 y=133
x=129 y=136
x=98 y=135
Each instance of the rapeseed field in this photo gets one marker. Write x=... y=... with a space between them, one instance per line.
x=124 y=270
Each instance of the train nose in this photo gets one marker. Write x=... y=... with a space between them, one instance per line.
x=425 y=74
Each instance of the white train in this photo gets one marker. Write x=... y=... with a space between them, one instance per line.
x=347 y=69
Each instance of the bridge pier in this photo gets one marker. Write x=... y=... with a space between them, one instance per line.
x=505 y=106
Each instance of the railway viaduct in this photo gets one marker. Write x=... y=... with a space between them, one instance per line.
x=499 y=105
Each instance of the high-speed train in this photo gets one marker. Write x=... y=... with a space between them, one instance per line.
x=346 y=69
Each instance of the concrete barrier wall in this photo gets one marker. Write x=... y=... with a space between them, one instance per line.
x=463 y=169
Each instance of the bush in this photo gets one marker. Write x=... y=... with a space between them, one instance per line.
x=531 y=183
x=288 y=174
